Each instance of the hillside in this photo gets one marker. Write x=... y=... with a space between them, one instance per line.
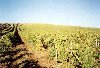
x=50 y=46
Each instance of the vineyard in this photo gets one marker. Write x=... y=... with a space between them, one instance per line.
x=51 y=46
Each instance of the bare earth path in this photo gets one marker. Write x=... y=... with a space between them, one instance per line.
x=22 y=57
x=40 y=58
x=18 y=58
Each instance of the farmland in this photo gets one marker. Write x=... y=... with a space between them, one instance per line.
x=48 y=45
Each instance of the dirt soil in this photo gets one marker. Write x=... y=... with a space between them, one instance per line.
x=23 y=57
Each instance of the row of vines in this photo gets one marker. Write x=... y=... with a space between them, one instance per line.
x=70 y=46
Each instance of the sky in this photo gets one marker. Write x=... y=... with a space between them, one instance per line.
x=61 y=12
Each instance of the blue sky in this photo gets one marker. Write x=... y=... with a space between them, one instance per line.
x=63 y=12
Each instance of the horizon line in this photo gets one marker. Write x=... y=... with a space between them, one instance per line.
x=49 y=24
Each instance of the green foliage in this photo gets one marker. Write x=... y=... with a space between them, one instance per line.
x=71 y=45
x=5 y=40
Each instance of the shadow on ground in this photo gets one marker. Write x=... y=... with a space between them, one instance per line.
x=8 y=58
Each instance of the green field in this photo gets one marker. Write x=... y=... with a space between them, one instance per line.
x=60 y=46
